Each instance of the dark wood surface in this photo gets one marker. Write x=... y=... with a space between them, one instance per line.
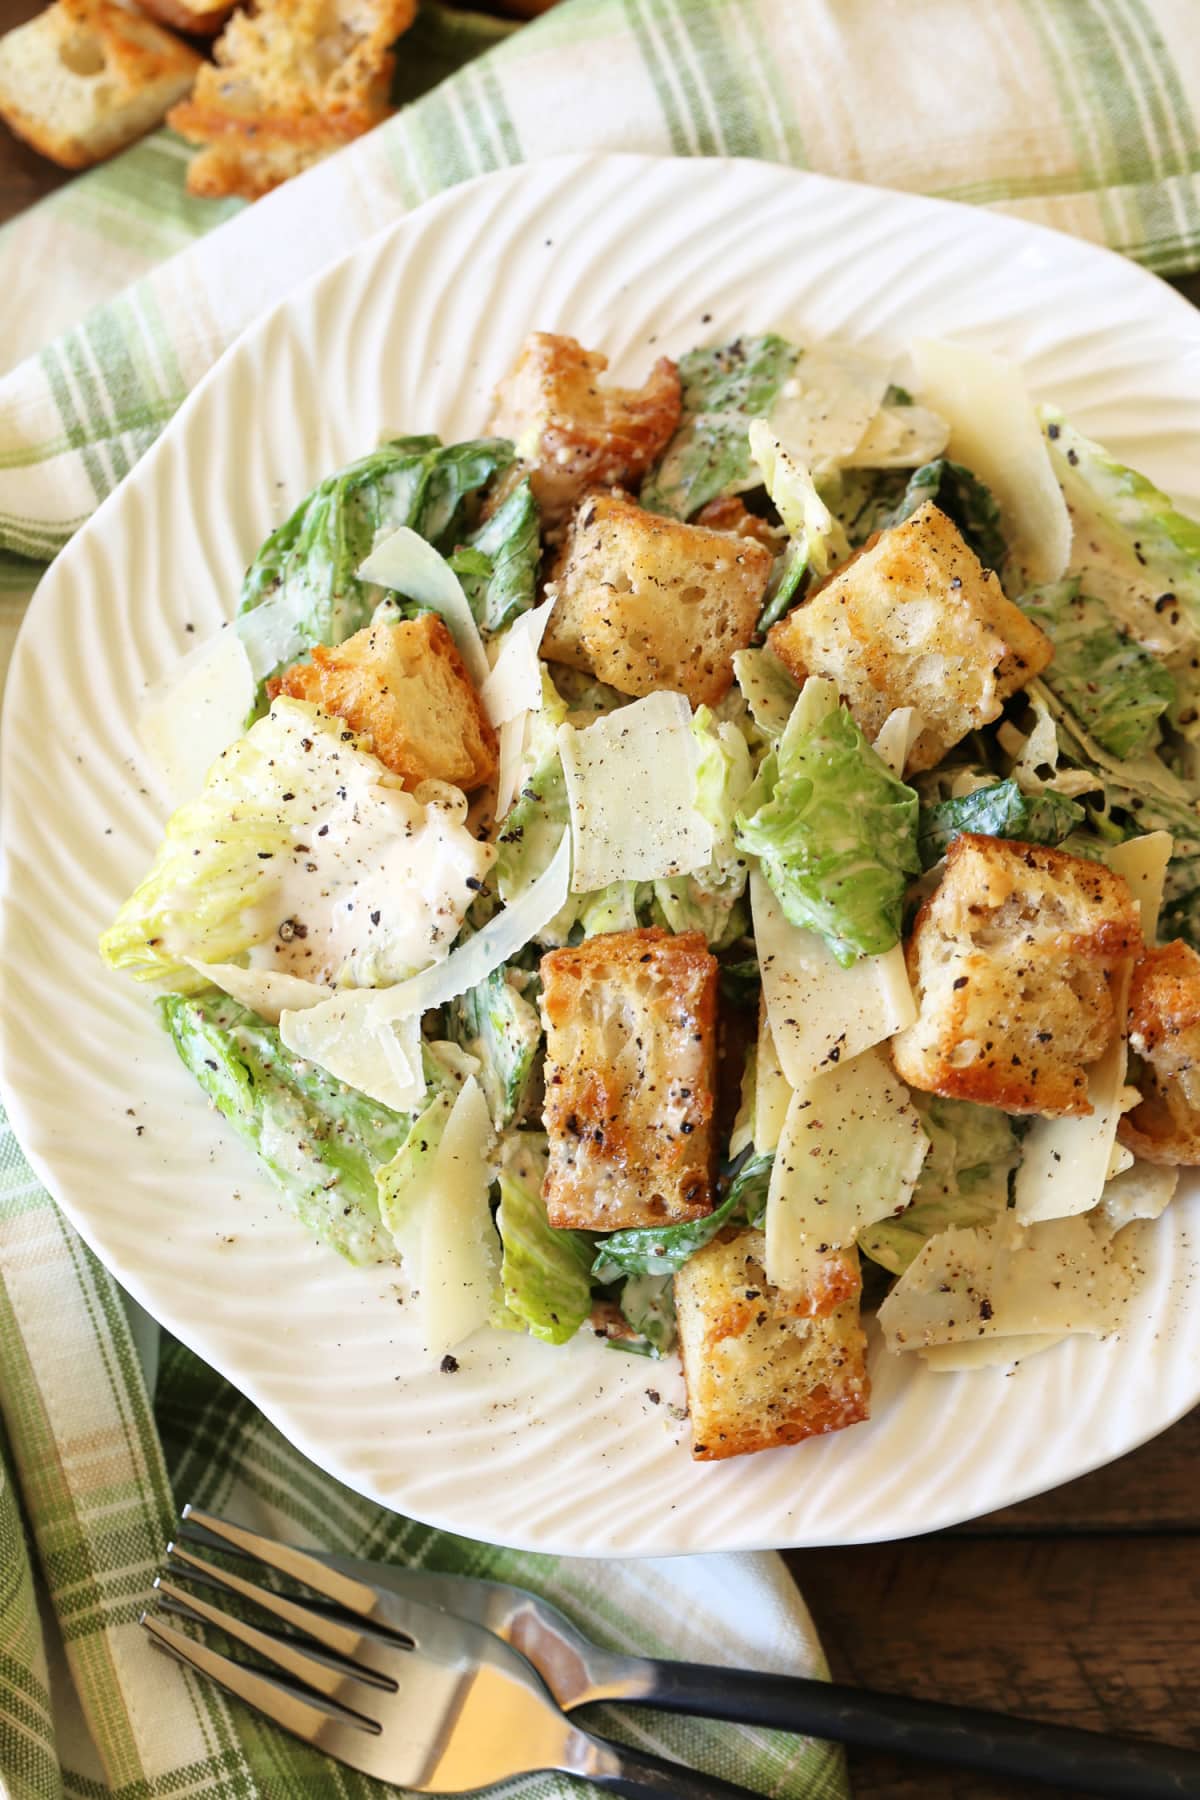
x=1082 y=1606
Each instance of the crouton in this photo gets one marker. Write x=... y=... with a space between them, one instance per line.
x=85 y=78
x=406 y=686
x=728 y=513
x=915 y=620
x=631 y=1030
x=1010 y=960
x=198 y=18
x=645 y=602
x=761 y=1369
x=1164 y=1038
x=571 y=431
x=293 y=81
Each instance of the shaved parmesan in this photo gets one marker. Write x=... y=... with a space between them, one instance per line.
x=897 y=735
x=992 y=1353
x=1142 y=1191
x=772 y=1091
x=900 y=437
x=1065 y=1163
x=820 y=1013
x=346 y=1037
x=186 y=721
x=270 y=635
x=512 y=756
x=823 y=410
x=457 y=1260
x=1002 y=1281
x=515 y=684
x=631 y=786
x=767 y=688
x=851 y=1150
x=994 y=430
x=801 y=507
x=406 y=563
x=818 y=698
x=267 y=992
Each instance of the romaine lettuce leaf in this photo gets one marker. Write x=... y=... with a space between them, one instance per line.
x=654 y=1250
x=816 y=540
x=999 y=810
x=498 y=1025
x=544 y=1272
x=307 y=569
x=964 y=499
x=708 y=899
x=498 y=564
x=1116 y=689
x=836 y=834
x=723 y=389
x=647 y=1304
x=963 y=1181
x=322 y=1142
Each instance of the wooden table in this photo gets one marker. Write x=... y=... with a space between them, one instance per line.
x=1082 y=1607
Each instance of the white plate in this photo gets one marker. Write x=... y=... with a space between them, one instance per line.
x=560 y=1450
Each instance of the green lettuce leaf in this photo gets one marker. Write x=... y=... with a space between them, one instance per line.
x=816 y=540
x=1115 y=688
x=498 y=564
x=723 y=389
x=499 y=1026
x=544 y=1272
x=963 y=1181
x=654 y=1250
x=306 y=572
x=836 y=834
x=998 y=810
x=963 y=498
x=647 y=1305
x=708 y=900
x=321 y=1141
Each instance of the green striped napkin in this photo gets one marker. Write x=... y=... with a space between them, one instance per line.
x=1075 y=113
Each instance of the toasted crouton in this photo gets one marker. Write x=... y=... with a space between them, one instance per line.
x=405 y=685
x=631 y=1029
x=915 y=620
x=293 y=81
x=645 y=602
x=573 y=432
x=761 y=1368
x=728 y=513
x=1164 y=1037
x=85 y=78
x=199 y=18
x=1010 y=960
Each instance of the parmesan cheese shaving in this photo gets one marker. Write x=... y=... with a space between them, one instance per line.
x=820 y=1013
x=457 y=1253
x=631 y=786
x=515 y=683
x=512 y=755
x=900 y=437
x=822 y=411
x=270 y=635
x=897 y=735
x=1143 y=862
x=406 y=563
x=992 y=1353
x=186 y=721
x=267 y=992
x=850 y=1154
x=379 y=1056
x=771 y=1090
x=1142 y=1191
x=994 y=430
x=1003 y=1282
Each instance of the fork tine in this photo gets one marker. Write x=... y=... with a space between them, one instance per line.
x=344 y=1640
x=354 y=1596
x=308 y=1719
x=334 y=1681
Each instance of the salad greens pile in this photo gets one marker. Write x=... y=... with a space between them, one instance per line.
x=1105 y=747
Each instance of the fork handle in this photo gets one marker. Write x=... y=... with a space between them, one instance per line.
x=641 y=1776
x=998 y=1743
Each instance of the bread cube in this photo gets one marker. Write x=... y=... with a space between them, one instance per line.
x=761 y=1369
x=631 y=1036
x=1164 y=1038
x=571 y=430
x=406 y=686
x=645 y=602
x=1010 y=961
x=915 y=620
x=729 y=513
x=85 y=78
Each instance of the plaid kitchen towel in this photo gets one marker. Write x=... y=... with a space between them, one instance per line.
x=1076 y=113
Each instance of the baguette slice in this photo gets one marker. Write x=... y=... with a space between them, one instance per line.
x=85 y=78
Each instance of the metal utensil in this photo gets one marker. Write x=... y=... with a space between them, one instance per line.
x=578 y=1672
x=439 y=1705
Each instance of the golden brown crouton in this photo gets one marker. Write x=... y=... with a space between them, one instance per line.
x=728 y=513
x=199 y=18
x=293 y=81
x=1010 y=961
x=915 y=620
x=1164 y=1036
x=85 y=78
x=571 y=431
x=631 y=1029
x=406 y=686
x=761 y=1368
x=645 y=602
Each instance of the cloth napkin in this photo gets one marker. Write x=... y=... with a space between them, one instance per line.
x=118 y=294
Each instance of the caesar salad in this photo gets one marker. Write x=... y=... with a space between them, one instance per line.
x=705 y=863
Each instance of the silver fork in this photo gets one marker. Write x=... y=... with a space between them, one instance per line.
x=578 y=1672
x=439 y=1705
